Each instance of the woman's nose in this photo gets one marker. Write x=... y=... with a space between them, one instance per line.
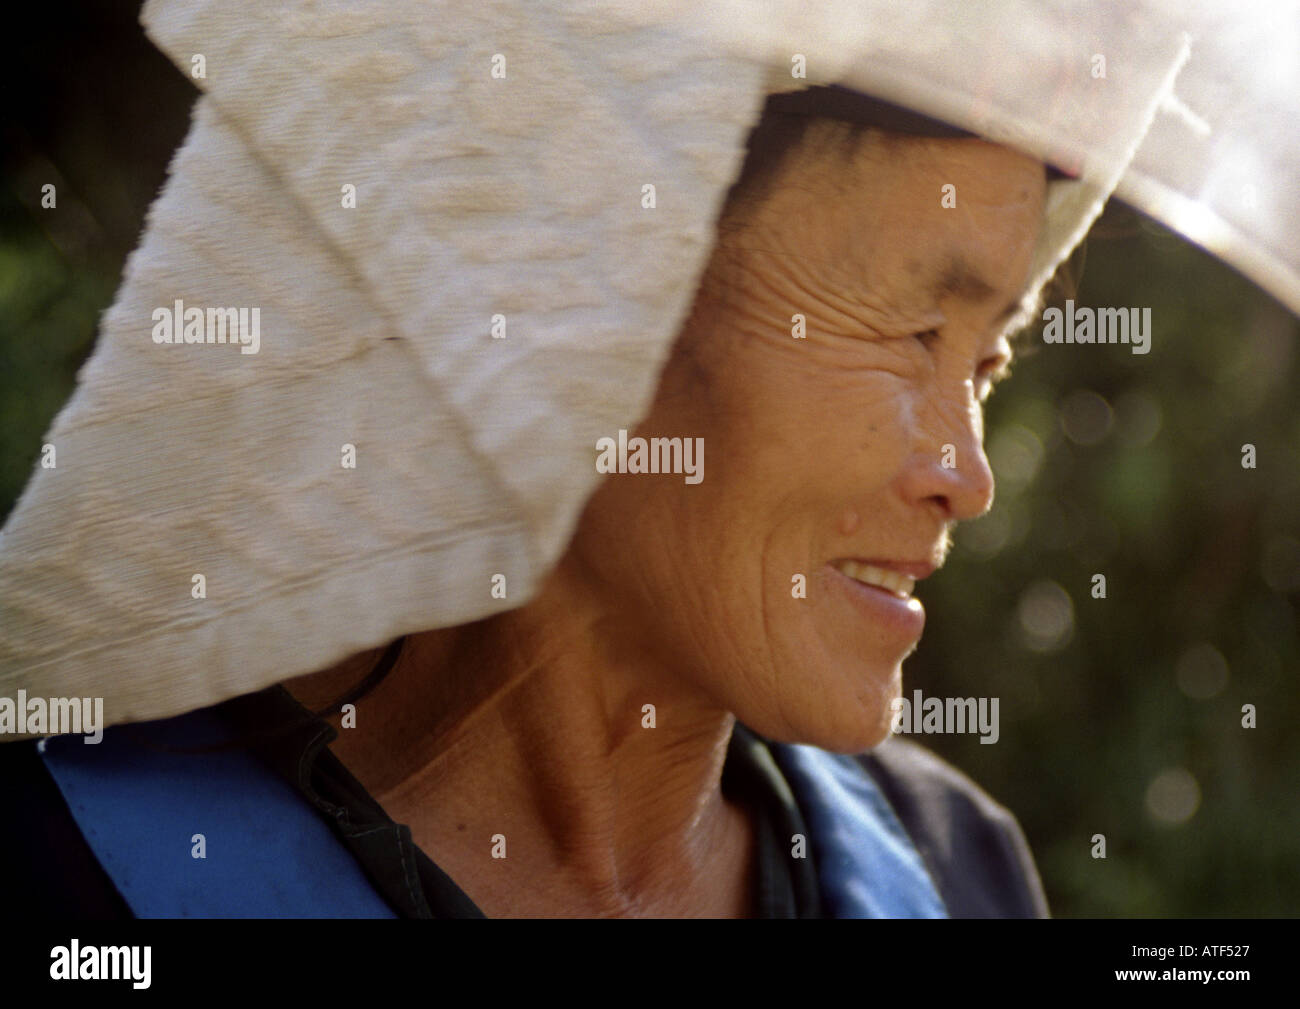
x=948 y=467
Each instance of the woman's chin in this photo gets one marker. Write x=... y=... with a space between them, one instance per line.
x=849 y=728
x=867 y=735
x=861 y=722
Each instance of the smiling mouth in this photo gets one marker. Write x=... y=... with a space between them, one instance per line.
x=899 y=585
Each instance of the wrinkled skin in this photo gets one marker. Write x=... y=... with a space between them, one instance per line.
x=530 y=724
x=825 y=447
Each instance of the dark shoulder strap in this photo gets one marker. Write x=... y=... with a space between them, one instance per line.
x=973 y=847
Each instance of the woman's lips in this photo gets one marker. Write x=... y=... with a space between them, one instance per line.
x=885 y=596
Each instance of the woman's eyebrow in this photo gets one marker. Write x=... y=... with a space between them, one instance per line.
x=960 y=278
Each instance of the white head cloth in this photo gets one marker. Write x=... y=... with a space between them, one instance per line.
x=516 y=194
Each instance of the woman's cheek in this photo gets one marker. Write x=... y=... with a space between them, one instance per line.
x=872 y=410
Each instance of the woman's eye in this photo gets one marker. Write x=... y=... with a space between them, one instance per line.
x=927 y=337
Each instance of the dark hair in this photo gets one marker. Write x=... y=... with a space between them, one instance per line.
x=786 y=117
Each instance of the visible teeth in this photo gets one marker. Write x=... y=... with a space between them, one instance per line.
x=900 y=585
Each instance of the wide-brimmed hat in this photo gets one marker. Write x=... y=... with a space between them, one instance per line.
x=457 y=241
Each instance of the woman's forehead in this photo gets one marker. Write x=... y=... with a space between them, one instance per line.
x=876 y=234
x=951 y=208
x=871 y=172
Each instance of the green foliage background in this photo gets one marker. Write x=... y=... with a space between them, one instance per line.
x=1108 y=462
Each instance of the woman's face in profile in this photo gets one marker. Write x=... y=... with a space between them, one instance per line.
x=830 y=458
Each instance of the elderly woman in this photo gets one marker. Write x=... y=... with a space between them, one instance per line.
x=384 y=611
x=661 y=729
x=825 y=463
